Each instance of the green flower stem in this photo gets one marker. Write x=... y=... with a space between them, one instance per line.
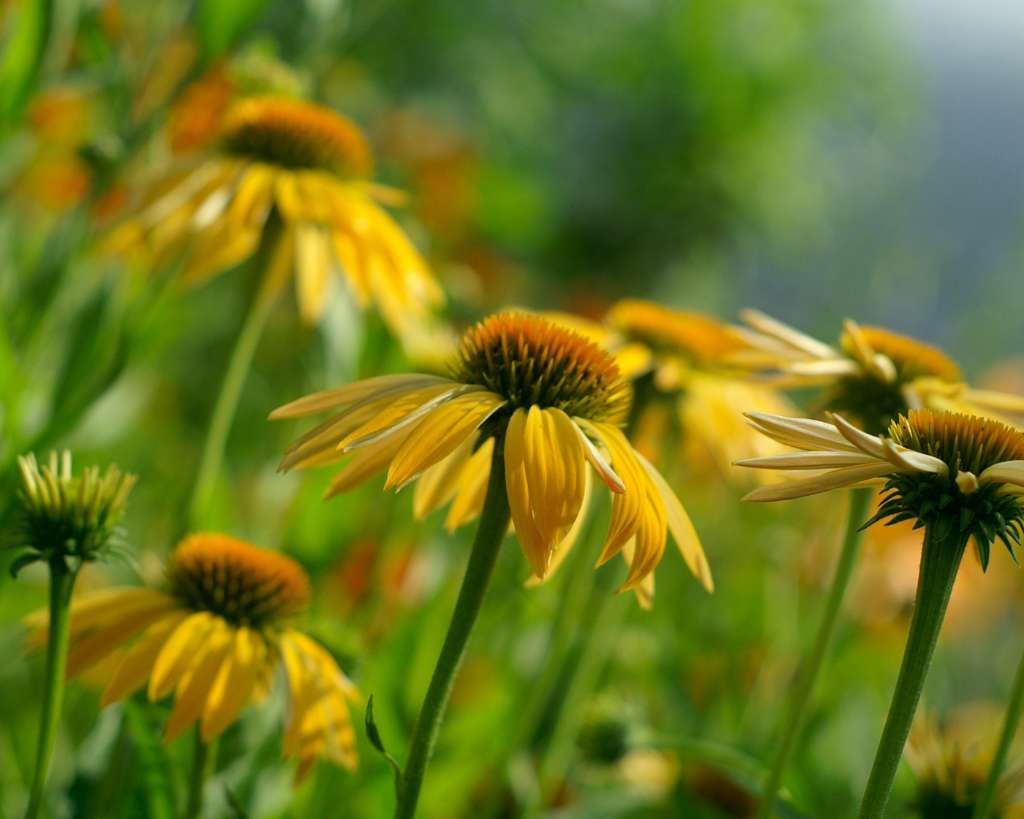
x=231 y=389
x=578 y=675
x=802 y=692
x=491 y=532
x=204 y=762
x=995 y=773
x=62 y=582
x=940 y=559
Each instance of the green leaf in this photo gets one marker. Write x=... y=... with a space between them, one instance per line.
x=23 y=57
x=373 y=734
x=222 y=22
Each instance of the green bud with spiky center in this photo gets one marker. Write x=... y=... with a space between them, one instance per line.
x=63 y=517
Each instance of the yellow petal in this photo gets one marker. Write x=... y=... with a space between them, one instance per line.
x=679 y=524
x=519 y=500
x=178 y=652
x=438 y=485
x=102 y=641
x=393 y=385
x=472 y=488
x=313 y=265
x=234 y=683
x=195 y=686
x=439 y=434
x=137 y=663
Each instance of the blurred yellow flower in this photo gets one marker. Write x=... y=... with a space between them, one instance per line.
x=951 y=763
x=684 y=370
x=214 y=637
x=551 y=399
x=307 y=170
x=874 y=375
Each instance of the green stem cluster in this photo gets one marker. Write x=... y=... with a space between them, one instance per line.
x=62 y=582
x=494 y=521
x=940 y=560
x=803 y=690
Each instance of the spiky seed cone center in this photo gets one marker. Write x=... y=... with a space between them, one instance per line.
x=530 y=361
x=241 y=583
x=295 y=135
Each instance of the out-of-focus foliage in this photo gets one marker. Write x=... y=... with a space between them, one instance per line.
x=556 y=155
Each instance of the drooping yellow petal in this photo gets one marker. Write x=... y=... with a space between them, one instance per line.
x=366 y=463
x=519 y=499
x=439 y=484
x=234 y=684
x=178 y=652
x=313 y=266
x=101 y=641
x=194 y=688
x=137 y=663
x=440 y=433
x=679 y=524
x=472 y=488
x=93 y=610
x=357 y=391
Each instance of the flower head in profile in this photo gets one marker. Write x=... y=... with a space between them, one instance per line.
x=874 y=375
x=951 y=761
x=960 y=474
x=213 y=638
x=683 y=366
x=296 y=176
x=68 y=517
x=528 y=396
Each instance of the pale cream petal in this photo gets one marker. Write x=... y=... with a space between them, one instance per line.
x=800 y=433
x=1011 y=472
x=825 y=459
x=786 y=334
x=597 y=460
x=835 y=479
x=871 y=444
x=908 y=460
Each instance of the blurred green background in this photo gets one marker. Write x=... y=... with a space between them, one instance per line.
x=815 y=159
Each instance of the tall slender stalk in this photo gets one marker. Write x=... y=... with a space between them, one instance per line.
x=494 y=520
x=204 y=762
x=1013 y=713
x=940 y=560
x=234 y=379
x=802 y=692
x=62 y=581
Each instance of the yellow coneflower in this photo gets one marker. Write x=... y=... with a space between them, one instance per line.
x=552 y=399
x=308 y=169
x=960 y=477
x=508 y=437
x=951 y=762
x=874 y=374
x=213 y=637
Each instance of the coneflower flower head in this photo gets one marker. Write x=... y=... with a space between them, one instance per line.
x=873 y=376
x=958 y=474
x=551 y=399
x=68 y=517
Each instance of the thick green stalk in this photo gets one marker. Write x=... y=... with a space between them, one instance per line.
x=227 y=399
x=62 y=581
x=802 y=692
x=1010 y=723
x=204 y=761
x=940 y=559
x=490 y=533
